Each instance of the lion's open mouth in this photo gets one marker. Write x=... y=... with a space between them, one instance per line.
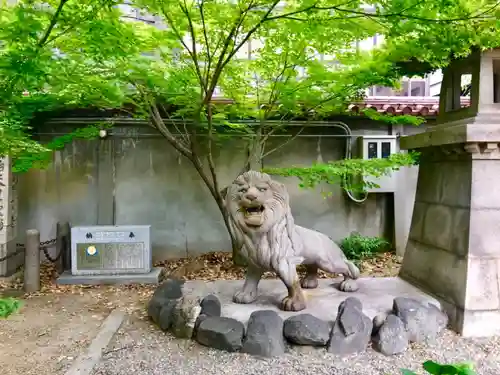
x=253 y=215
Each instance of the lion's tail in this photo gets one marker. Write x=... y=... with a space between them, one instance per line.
x=353 y=269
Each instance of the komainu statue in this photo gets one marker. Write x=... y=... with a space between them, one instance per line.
x=260 y=216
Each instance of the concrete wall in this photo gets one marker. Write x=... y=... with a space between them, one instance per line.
x=135 y=177
x=404 y=197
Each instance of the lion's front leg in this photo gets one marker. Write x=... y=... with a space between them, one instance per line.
x=287 y=272
x=248 y=293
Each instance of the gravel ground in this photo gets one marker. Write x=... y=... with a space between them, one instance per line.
x=139 y=348
x=48 y=334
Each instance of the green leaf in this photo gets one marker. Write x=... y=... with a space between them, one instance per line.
x=407 y=372
x=9 y=306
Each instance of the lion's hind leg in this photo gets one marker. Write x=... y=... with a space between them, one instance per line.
x=349 y=284
x=347 y=269
x=310 y=281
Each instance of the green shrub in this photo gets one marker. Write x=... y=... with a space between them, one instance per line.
x=357 y=247
x=9 y=306
x=435 y=368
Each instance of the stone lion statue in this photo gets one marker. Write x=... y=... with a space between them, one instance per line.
x=260 y=217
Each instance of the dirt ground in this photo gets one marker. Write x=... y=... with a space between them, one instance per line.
x=57 y=323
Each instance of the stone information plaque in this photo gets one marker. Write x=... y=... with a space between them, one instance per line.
x=110 y=250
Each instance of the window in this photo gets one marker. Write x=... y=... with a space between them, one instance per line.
x=408 y=87
x=496 y=81
x=417 y=88
x=465 y=85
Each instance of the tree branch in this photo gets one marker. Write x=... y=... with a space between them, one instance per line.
x=184 y=136
x=222 y=62
x=194 y=53
x=211 y=164
x=160 y=125
x=181 y=40
x=63 y=32
x=208 y=64
x=282 y=145
x=401 y=14
x=52 y=23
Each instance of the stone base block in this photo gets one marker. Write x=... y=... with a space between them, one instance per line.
x=454 y=241
x=152 y=277
x=479 y=323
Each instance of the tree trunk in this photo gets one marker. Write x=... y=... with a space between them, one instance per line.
x=238 y=259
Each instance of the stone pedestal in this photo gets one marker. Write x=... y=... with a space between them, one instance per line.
x=8 y=219
x=453 y=251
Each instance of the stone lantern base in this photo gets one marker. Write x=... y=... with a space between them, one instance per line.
x=453 y=251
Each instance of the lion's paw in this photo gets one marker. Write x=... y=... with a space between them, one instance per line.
x=348 y=285
x=293 y=304
x=309 y=283
x=244 y=297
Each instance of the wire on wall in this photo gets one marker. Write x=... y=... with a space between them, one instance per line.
x=347 y=180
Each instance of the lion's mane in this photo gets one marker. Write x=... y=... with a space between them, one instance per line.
x=279 y=240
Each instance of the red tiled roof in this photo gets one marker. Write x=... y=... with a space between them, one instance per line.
x=399 y=105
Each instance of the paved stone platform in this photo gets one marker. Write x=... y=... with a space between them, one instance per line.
x=152 y=277
x=376 y=294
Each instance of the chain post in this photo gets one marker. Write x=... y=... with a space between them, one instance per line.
x=32 y=261
x=62 y=232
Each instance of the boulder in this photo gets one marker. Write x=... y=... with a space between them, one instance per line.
x=184 y=316
x=423 y=322
x=167 y=291
x=220 y=333
x=211 y=306
x=391 y=337
x=351 y=301
x=264 y=334
x=440 y=317
x=378 y=320
x=352 y=330
x=165 y=318
x=305 y=329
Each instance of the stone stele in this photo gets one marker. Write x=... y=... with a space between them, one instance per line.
x=261 y=220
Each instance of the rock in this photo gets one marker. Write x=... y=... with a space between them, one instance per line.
x=169 y=290
x=305 y=329
x=154 y=307
x=378 y=320
x=422 y=322
x=391 y=337
x=264 y=334
x=440 y=317
x=184 y=317
x=220 y=333
x=200 y=319
x=165 y=318
x=352 y=329
x=211 y=306
x=351 y=301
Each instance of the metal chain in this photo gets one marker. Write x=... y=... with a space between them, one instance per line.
x=8 y=256
x=43 y=247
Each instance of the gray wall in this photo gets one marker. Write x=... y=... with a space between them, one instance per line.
x=135 y=178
